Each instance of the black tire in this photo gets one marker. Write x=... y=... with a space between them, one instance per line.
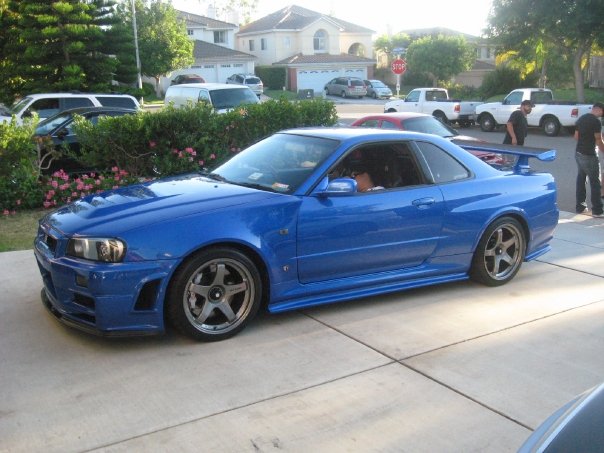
x=343 y=94
x=551 y=126
x=499 y=253
x=487 y=123
x=440 y=116
x=214 y=295
x=374 y=95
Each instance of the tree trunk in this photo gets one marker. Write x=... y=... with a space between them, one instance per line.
x=157 y=87
x=578 y=70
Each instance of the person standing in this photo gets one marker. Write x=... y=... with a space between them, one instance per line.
x=588 y=133
x=516 y=129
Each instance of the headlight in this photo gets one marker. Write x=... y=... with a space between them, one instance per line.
x=97 y=249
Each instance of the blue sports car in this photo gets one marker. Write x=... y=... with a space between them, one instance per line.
x=301 y=218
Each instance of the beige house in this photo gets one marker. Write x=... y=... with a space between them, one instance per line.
x=214 y=49
x=312 y=47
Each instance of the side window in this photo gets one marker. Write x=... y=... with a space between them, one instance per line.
x=514 y=98
x=441 y=166
x=117 y=101
x=72 y=103
x=388 y=125
x=412 y=97
x=43 y=107
x=370 y=123
x=204 y=96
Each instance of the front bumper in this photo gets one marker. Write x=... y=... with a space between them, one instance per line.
x=121 y=299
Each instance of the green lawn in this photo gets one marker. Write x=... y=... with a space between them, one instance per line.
x=17 y=232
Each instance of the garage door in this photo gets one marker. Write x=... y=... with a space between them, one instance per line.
x=315 y=79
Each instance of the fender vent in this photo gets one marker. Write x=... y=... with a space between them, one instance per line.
x=147 y=298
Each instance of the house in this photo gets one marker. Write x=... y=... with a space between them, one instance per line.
x=595 y=76
x=313 y=48
x=213 y=49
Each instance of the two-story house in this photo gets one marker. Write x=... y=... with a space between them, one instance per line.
x=312 y=47
x=214 y=49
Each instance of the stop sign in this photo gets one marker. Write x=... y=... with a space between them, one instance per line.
x=399 y=66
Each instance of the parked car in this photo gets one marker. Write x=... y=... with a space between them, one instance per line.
x=377 y=89
x=221 y=96
x=436 y=102
x=59 y=128
x=547 y=114
x=187 y=78
x=48 y=104
x=346 y=87
x=281 y=225
x=250 y=80
x=575 y=427
x=421 y=122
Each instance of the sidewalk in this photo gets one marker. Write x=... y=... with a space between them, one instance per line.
x=459 y=367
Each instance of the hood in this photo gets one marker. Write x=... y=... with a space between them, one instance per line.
x=120 y=210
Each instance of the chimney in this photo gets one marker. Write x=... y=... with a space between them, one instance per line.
x=211 y=12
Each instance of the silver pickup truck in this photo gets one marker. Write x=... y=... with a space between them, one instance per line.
x=547 y=114
x=435 y=102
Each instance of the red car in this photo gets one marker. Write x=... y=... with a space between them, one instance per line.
x=421 y=122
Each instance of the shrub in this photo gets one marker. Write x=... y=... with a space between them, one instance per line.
x=272 y=77
x=501 y=80
x=62 y=188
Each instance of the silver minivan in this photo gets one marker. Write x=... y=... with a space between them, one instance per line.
x=346 y=87
x=221 y=96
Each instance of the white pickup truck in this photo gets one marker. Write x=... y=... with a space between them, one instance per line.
x=547 y=114
x=435 y=102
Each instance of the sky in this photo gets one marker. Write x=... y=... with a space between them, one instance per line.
x=384 y=16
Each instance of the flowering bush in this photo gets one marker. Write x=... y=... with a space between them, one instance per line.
x=62 y=189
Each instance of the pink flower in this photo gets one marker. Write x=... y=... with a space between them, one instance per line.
x=98 y=182
x=54 y=184
x=212 y=156
x=189 y=150
x=18 y=202
x=6 y=212
x=114 y=169
x=47 y=204
x=201 y=163
x=152 y=144
x=74 y=194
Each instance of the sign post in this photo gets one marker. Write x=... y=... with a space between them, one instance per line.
x=398 y=66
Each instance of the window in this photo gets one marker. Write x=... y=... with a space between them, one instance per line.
x=117 y=101
x=190 y=32
x=370 y=123
x=413 y=96
x=72 y=103
x=251 y=42
x=263 y=44
x=389 y=125
x=320 y=41
x=441 y=166
x=220 y=37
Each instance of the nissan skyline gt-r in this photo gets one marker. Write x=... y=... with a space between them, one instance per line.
x=281 y=225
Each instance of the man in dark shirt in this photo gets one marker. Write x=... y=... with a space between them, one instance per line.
x=516 y=128
x=588 y=133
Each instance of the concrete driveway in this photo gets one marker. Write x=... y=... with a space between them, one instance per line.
x=456 y=368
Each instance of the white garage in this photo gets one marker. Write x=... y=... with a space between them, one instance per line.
x=315 y=79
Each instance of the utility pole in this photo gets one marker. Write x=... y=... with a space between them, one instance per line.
x=138 y=60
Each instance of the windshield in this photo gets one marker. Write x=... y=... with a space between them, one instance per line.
x=228 y=98
x=49 y=124
x=19 y=105
x=378 y=84
x=279 y=163
x=429 y=125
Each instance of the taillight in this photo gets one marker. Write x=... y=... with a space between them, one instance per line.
x=457 y=108
x=574 y=113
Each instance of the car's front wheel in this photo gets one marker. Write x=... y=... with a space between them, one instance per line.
x=499 y=253
x=214 y=294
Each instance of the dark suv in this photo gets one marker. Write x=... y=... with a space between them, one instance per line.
x=346 y=87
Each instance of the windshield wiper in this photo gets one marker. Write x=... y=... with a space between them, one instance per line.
x=253 y=185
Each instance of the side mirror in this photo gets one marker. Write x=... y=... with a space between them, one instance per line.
x=337 y=187
x=61 y=134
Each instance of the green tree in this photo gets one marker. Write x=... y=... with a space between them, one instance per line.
x=440 y=57
x=163 y=42
x=55 y=45
x=387 y=43
x=573 y=28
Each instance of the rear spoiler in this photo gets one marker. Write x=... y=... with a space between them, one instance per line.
x=522 y=152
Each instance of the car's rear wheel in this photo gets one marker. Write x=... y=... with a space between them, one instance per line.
x=343 y=94
x=499 y=253
x=440 y=116
x=487 y=123
x=214 y=295
x=551 y=126
x=374 y=95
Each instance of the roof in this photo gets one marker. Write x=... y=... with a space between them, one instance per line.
x=323 y=58
x=206 y=51
x=295 y=17
x=195 y=21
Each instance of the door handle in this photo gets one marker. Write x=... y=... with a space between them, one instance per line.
x=423 y=203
